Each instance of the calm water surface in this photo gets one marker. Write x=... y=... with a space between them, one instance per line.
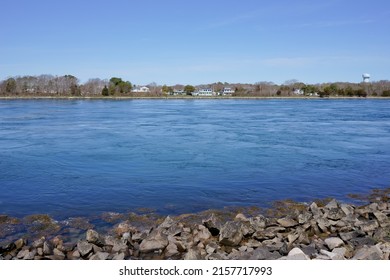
x=79 y=157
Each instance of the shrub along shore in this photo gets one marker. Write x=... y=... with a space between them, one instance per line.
x=290 y=231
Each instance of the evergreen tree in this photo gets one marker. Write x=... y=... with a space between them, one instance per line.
x=105 y=91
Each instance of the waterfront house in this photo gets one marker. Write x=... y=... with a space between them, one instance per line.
x=227 y=91
x=298 y=91
x=141 y=89
x=178 y=92
x=204 y=92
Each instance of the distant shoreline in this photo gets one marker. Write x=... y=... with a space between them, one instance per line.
x=185 y=97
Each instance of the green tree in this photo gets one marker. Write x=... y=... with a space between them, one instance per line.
x=117 y=85
x=166 y=89
x=105 y=91
x=189 y=89
x=10 y=85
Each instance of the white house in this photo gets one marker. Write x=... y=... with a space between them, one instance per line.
x=204 y=92
x=227 y=91
x=298 y=91
x=141 y=89
x=178 y=92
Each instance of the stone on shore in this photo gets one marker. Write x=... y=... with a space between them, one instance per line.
x=231 y=234
x=154 y=242
x=84 y=248
x=333 y=242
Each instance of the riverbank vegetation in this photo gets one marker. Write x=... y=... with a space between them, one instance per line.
x=70 y=86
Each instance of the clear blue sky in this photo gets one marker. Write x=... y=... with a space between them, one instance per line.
x=195 y=42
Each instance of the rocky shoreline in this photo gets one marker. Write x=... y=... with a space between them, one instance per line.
x=333 y=231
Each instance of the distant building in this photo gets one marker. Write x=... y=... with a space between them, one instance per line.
x=298 y=91
x=204 y=92
x=366 y=78
x=227 y=91
x=141 y=89
x=178 y=92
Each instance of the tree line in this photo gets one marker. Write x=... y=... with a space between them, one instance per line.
x=69 y=85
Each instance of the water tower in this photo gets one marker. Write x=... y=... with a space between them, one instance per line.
x=366 y=78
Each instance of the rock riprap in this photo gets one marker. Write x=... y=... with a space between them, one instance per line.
x=334 y=231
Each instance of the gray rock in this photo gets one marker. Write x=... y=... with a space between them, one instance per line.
x=203 y=233
x=323 y=224
x=192 y=254
x=273 y=245
x=54 y=258
x=305 y=217
x=93 y=237
x=120 y=256
x=268 y=233
x=261 y=253
x=100 y=256
x=360 y=241
x=20 y=243
x=123 y=227
x=382 y=234
x=155 y=241
x=216 y=256
x=30 y=255
x=329 y=255
x=368 y=253
x=175 y=230
x=171 y=250
x=382 y=219
x=296 y=254
x=347 y=209
x=38 y=243
x=369 y=226
x=94 y=258
x=167 y=223
x=333 y=242
x=287 y=222
x=291 y=237
x=335 y=214
x=373 y=207
x=57 y=252
x=76 y=254
x=119 y=246
x=332 y=205
x=47 y=248
x=315 y=210
x=84 y=248
x=246 y=229
x=231 y=234
x=252 y=243
x=304 y=238
x=309 y=250
x=40 y=251
x=340 y=252
x=258 y=222
x=241 y=218
x=214 y=224
x=22 y=253
x=138 y=236
x=211 y=248
x=346 y=236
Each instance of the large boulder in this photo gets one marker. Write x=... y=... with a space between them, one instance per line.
x=287 y=222
x=155 y=241
x=368 y=253
x=231 y=234
x=84 y=248
x=333 y=242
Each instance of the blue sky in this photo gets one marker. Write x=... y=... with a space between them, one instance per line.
x=194 y=42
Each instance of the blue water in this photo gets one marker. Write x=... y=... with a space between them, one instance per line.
x=80 y=157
